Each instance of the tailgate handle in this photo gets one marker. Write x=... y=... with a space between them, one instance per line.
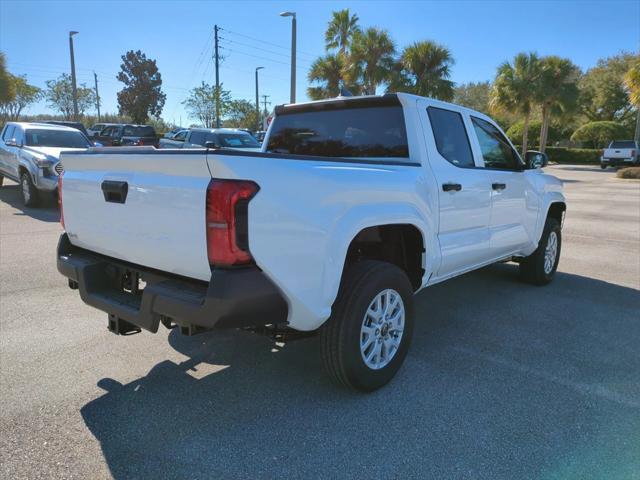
x=114 y=191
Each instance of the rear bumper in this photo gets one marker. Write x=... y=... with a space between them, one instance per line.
x=240 y=297
x=619 y=161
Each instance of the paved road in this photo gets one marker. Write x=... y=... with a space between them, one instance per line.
x=503 y=380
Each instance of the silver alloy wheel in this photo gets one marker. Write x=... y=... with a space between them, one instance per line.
x=382 y=328
x=550 y=252
x=26 y=191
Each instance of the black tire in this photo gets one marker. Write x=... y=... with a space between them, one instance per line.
x=28 y=190
x=1 y=179
x=603 y=167
x=340 y=336
x=532 y=268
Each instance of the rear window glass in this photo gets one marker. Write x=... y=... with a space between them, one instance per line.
x=130 y=131
x=377 y=131
x=623 y=144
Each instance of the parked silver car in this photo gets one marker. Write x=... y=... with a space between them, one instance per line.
x=30 y=155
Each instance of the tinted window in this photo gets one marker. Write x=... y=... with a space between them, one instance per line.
x=451 y=136
x=55 y=138
x=237 y=140
x=180 y=136
x=97 y=127
x=198 y=138
x=496 y=151
x=8 y=132
x=131 y=131
x=342 y=132
x=623 y=144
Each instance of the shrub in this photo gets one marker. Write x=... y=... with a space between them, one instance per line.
x=599 y=134
x=629 y=172
x=515 y=133
x=573 y=155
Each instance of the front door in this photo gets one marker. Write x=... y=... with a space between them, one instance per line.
x=464 y=190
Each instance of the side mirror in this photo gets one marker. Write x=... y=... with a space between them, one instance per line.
x=12 y=142
x=536 y=159
x=211 y=145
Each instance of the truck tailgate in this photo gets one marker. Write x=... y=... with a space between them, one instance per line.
x=138 y=206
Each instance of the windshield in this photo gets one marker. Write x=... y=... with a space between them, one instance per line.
x=623 y=144
x=237 y=140
x=55 y=138
x=130 y=131
x=377 y=131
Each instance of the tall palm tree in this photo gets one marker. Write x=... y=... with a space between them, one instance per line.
x=371 y=59
x=515 y=89
x=341 y=30
x=632 y=82
x=327 y=70
x=558 y=90
x=424 y=68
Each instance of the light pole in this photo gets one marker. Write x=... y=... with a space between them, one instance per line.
x=293 y=53
x=73 y=76
x=258 y=101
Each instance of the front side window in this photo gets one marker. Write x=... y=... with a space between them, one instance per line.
x=341 y=131
x=180 y=136
x=451 y=136
x=8 y=133
x=198 y=138
x=55 y=138
x=496 y=151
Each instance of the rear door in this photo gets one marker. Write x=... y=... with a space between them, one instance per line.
x=142 y=206
x=6 y=151
x=464 y=190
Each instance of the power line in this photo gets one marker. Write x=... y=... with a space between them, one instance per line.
x=261 y=57
x=257 y=48
x=261 y=41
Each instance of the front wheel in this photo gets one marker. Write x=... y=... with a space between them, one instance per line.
x=540 y=267
x=29 y=191
x=603 y=167
x=366 y=340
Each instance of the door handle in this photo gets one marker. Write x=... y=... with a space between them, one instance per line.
x=114 y=191
x=499 y=186
x=451 y=187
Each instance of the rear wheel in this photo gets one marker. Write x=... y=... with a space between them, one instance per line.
x=366 y=340
x=540 y=267
x=29 y=191
x=603 y=167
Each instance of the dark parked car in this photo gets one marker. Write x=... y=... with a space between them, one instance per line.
x=127 y=135
x=64 y=123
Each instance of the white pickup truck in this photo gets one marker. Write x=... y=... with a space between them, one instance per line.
x=620 y=153
x=352 y=206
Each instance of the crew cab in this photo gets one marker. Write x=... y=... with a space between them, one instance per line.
x=351 y=207
x=215 y=138
x=30 y=155
x=127 y=135
x=620 y=153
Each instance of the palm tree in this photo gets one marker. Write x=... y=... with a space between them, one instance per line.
x=341 y=30
x=371 y=59
x=557 y=92
x=424 y=68
x=514 y=89
x=632 y=82
x=327 y=70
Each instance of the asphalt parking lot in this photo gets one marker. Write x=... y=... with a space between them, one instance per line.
x=504 y=380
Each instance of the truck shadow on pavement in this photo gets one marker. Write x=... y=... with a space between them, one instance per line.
x=47 y=211
x=503 y=380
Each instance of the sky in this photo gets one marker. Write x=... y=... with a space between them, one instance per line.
x=179 y=36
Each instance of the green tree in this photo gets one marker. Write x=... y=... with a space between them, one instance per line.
x=341 y=30
x=25 y=95
x=473 y=95
x=59 y=95
x=599 y=134
x=424 y=68
x=632 y=82
x=142 y=95
x=201 y=103
x=515 y=89
x=7 y=87
x=371 y=60
x=554 y=134
x=558 y=91
x=603 y=95
x=327 y=71
x=241 y=114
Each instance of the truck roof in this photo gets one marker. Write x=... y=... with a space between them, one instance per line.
x=44 y=126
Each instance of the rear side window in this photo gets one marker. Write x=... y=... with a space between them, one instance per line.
x=496 y=151
x=198 y=138
x=451 y=136
x=372 y=131
x=130 y=131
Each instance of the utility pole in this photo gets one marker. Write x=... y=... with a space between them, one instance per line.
x=95 y=78
x=265 y=112
x=217 y=59
x=73 y=76
x=257 y=100
x=293 y=53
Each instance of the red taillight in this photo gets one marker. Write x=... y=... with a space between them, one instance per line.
x=60 y=199
x=227 y=202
